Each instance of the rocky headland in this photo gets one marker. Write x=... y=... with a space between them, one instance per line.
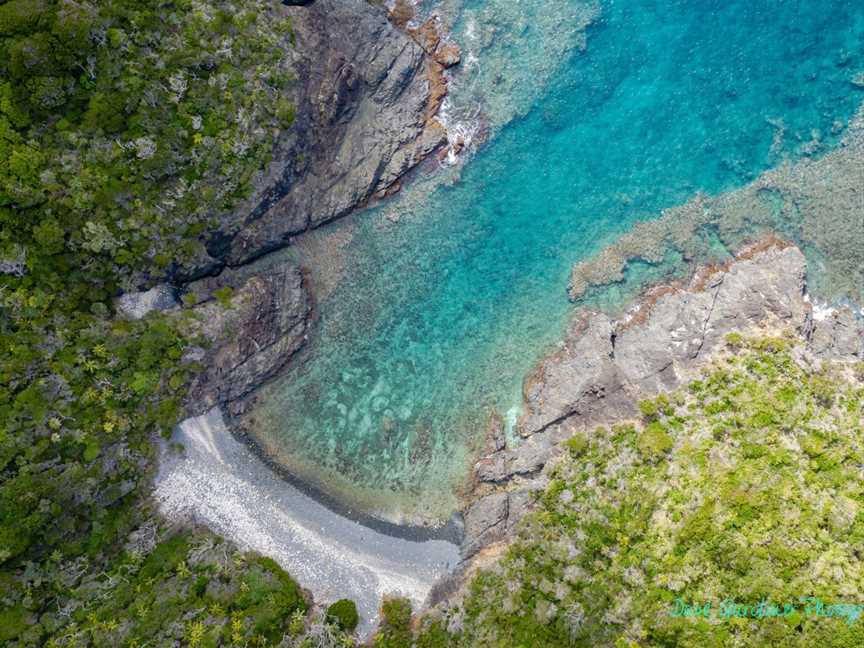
x=366 y=93
x=368 y=87
x=605 y=367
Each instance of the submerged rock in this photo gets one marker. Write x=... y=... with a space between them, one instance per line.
x=819 y=199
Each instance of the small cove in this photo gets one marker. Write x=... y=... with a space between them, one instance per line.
x=435 y=319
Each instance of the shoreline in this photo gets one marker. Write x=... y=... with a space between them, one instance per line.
x=433 y=34
x=451 y=531
x=216 y=478
x=607 y=364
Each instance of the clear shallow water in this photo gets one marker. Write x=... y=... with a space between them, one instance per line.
x=435 y=320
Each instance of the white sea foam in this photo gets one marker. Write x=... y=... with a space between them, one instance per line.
x=462 y=126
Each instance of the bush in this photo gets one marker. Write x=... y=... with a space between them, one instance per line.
x=654 y=441
x=577 y=444
x=344 y=613
x=649 y=410
x=395 y=628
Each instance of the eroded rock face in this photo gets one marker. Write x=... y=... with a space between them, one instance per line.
x=837 y=333
x=252 y=334
x=605 y=367
x=578 y=374
x=485 y=522
x=362 y=95
x=671 y=332
x=365 y=93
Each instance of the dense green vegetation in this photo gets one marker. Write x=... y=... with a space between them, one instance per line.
x=395 y=628
x=188 y=589
x=743 y=488
x=126 y=127
x=344 y=613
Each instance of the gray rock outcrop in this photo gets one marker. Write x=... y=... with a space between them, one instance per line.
x=605 y=367
x=362 y=121
x=136 y=305
x=365 y=94
x=253 y=330
x=662 y=341
x=837 y=334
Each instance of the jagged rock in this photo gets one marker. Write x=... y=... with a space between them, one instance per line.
x=252 y=337
x=449 y=55
x=837 y=334
x=137 y=305
x=493 y=468
x=14 y=264
x=575 y=375
x=402 y=13
x=530 y=457
x=485 y=522
x=684 y=325
x=362 y=98
x=602 y=365
x=495 y=433
x=193 y=354
x=494 y=517
x=520 y=502
x=437 y=88
x=427 y=35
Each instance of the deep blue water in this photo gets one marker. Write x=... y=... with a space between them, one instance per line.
x=439 y=317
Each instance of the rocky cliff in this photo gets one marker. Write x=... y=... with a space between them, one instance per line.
x=366 y=93
x=364 y=117
x=252 y=331
x=605 y=367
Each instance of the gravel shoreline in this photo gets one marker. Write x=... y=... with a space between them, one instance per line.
x=220 y=482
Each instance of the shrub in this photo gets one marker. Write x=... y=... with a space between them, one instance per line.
x=395 y=628
x=654 y=441
x=223 y=295
x=344 y=613
x=577 y=444
x=649 y=410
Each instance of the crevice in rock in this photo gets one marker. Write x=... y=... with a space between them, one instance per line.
x=708 y=320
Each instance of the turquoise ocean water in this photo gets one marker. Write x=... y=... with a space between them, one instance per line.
x=432 y=322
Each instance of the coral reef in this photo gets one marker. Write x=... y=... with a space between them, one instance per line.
x=816 y=202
